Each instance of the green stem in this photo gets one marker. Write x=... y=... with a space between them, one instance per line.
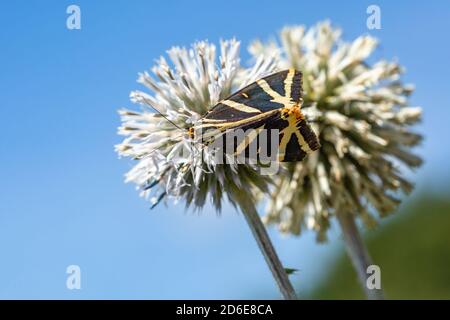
x=358 y=253
x=265 y=245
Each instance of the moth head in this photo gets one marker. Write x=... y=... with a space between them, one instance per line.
x=292 y=111
x=191 y=132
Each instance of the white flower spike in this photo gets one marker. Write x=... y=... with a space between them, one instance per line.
x=182 y=93
x=361 y=114
x=168 y=162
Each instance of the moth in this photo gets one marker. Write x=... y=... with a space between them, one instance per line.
x=273 y=102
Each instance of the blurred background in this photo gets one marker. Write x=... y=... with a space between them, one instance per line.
x=62 y=197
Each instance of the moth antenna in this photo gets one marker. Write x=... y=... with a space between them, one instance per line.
x=173 y=124
x=165 y=117
x=162 y=115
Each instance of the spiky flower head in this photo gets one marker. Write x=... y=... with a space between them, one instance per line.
x=183 y=90
x=361 y=114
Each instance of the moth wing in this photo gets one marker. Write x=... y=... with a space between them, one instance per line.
x=257 y=106
x=264 y=95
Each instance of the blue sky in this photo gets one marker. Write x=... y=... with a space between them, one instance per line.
x=62 y=196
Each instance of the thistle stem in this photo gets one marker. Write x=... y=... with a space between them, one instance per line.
x=358 y=253
x=265 y=245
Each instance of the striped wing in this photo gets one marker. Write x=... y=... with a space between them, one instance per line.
x=262 y=105
x=265 y=95
x=296 y=138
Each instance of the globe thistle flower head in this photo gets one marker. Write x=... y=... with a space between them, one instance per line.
x=183 y=89
x=361 y=114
